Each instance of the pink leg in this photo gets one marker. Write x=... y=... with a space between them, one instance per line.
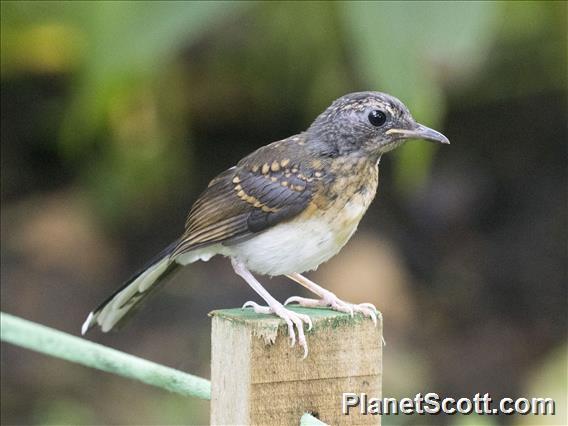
x=329 y=299
x=292 y=319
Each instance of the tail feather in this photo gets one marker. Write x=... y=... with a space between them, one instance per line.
x=130 y=297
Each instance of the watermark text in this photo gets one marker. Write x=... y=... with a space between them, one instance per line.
x=432 y=403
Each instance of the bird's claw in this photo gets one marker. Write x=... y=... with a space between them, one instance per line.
x=257 y=308
x=332 y=301
x=291 y=318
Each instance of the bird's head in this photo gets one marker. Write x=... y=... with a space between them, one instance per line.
x=371 y=123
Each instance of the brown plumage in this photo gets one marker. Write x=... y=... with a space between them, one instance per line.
x=271 y=185
x=286 y=208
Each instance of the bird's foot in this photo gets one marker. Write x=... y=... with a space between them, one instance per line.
x=291 y=318
x=332 y=301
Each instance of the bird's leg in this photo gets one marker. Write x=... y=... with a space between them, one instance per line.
x=292 y=319
x=329 y=299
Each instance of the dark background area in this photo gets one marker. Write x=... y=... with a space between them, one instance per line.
x=114 y=115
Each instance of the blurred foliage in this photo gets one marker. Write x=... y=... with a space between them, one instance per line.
x=129 y=108
x=124 y=126
x=549 y=379
x=412 y=49
x=124 y=88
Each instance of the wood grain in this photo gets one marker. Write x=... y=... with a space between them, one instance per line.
x=258 y=379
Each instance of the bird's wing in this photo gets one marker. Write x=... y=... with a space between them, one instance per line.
x=264 y=189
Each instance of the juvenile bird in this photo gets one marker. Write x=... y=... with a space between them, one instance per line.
x=285 y=209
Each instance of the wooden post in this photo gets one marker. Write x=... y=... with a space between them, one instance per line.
x=258 y=379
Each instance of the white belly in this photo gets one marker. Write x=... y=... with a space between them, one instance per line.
x=299 y=246
x=281 y=250
x=296 y=246
x=287 y=248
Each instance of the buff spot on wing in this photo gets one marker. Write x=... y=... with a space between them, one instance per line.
x=253 y=200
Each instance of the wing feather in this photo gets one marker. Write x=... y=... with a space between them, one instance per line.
x=250 y=198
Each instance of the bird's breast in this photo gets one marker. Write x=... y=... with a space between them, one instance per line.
x=318 y=233
x=352 y=192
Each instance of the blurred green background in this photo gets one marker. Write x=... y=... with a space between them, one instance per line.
x=115 y=114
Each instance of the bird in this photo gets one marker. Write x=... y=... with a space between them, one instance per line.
x=285 y=209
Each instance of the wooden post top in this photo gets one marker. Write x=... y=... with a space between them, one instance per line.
x=267 y=326
x=257 y=378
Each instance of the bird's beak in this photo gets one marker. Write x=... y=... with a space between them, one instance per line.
x=419 y=132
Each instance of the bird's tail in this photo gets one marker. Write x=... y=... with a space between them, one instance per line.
x=128 y=298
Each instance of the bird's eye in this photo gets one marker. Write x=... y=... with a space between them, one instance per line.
x=377 y=118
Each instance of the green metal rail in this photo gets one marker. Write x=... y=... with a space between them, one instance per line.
x=62 y=345
x=46 y=340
